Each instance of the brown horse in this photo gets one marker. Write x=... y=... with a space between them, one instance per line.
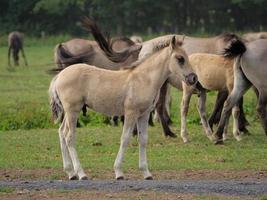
x=132 y=92
x=250 y=69
x=15 y=45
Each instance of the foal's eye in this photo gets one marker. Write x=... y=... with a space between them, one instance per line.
x=180 y=60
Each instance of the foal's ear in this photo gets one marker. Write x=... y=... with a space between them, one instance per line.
x=173 y=42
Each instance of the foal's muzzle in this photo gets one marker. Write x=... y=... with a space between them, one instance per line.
x=191 y=79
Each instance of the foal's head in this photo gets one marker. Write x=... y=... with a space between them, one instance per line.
x=179 y=63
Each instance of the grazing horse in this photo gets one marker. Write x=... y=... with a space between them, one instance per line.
x=213 y=45
x=254 y=36
x=15 y=44
x=118 y=44
x=132 y=92
x=136 y=39
x=250 y=69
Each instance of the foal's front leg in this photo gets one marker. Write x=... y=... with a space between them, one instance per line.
x=143 y=137
x=187 y=93
x=202 y=113
x=128 y=127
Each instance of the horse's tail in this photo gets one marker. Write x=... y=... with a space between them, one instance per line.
x=55 y=103
x=236 y=48
x=64 y=58
x=106 y=45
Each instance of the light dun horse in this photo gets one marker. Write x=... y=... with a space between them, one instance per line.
x=15 y=44
x=214 y=45
x=132 y=93
x=250 y=69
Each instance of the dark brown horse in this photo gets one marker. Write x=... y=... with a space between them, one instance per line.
x=15 y=44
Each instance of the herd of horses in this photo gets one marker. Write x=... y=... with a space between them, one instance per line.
x=131 y=78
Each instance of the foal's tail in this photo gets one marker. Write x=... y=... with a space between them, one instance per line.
x=236 y=48
x=55 y=103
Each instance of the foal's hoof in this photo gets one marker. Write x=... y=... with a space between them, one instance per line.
x=84 y=178
x=72 y=178
x=120 y=178
x=149 y=178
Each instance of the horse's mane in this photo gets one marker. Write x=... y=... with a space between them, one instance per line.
x=105 y=43
x=162 y=42
x=228 y=36
x=124 y=39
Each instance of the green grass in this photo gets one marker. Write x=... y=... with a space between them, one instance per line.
x=28 y=138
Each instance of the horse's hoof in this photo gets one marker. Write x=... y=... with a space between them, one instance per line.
x=84 y=178
x=171 y=134
x=149 y=178
x=186 y=140
x=218 y=142
x=238 y=138
x=72 y=178
x=120 y=178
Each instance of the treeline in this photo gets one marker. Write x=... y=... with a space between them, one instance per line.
x=133 y=16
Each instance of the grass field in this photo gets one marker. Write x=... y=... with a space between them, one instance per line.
x=28 y=138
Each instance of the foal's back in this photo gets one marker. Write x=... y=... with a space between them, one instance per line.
x=214 y=71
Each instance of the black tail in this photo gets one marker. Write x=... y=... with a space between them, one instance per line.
x=236 y=47
x=105 y=42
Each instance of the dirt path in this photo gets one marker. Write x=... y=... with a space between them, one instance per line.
x=222 y=187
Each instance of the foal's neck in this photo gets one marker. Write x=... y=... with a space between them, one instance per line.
x=156 y=67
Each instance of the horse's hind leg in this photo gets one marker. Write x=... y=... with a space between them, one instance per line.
x=67 y=163
x=241 y=85
x=9 y=52
x=129 y=123
x=261 y=108
x=217 y=110
x=202 y=113
x=160 y=107
x=236 y=131
x=143 y=137
x=24 y=57
x=71 y=119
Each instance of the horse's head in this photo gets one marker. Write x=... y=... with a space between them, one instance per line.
x=179 y=63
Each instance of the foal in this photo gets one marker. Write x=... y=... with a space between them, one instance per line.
x=15 y=44
x=131 y=92
x=215 y=73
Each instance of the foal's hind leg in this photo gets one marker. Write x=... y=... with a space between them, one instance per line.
x=67 y=163
x=129 y=123
x=202 y=113
x=261 y=108
x=71 y=118
x=143 y=137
